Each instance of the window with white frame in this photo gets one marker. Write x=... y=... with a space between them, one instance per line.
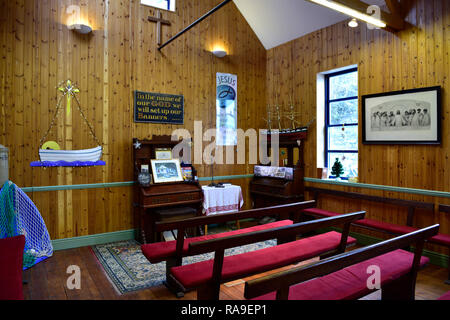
x=161 y=4
x=341 y=121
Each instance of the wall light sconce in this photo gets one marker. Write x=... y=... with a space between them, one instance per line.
x=75 y=21
x=219 y=53
x=353 y=23
x=80 y=28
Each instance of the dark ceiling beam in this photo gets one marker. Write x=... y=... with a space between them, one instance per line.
x=395 y=8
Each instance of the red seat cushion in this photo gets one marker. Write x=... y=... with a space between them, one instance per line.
x=320 y=212
x=351 y=282
x=442 y=239
x=160 y=251
x=445 y=296
x=388 y=227
x=234 y=267
x=11 y=264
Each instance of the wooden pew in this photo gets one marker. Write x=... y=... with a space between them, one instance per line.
x=411 y=205
x=445 y=239
x=345 y=276
x=206 y=276
x=385 y=227
x=173 y=251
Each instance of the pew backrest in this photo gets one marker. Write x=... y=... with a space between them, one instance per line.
x=444 y=208
x=411 y=205
x=282 y=211
x=282 y=281
x=289 y=232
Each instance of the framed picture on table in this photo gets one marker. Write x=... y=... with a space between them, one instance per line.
x=166 y=171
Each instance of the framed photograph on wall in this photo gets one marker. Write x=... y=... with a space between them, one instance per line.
x=166 y=171
x=402 y=117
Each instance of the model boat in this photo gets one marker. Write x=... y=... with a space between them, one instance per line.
x=50 y=152
x=87 y=155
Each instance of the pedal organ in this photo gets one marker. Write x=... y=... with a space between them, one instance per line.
x=270 y=191
x=168 y=201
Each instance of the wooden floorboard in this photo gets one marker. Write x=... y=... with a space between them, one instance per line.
x=47 y=281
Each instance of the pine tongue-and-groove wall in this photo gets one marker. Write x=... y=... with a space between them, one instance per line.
x=416 y=57
x=38 y=51
x=120 y=56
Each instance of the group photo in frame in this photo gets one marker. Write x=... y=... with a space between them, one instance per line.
x=166 y=171
x=402 y=117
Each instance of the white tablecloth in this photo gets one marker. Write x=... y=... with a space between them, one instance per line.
x=222 y=200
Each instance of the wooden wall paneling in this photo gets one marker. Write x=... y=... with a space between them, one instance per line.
x=89 y=107
x=3 y=33
x=96 y=202
x=9 y=74
x=71 y=70
x=107 y=157
x=19 y=66
x=38 y=51
x=115 y=106
x=46 y=204
x=439 y=53
x=42 y=95
x=415 y=57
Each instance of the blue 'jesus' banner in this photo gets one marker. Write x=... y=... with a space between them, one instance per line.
x=226 y=109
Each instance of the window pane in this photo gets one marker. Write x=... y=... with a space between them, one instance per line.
x=344 y=86
x=162 y=4
x=344 y=112
x=343 y=140
x=349 y=162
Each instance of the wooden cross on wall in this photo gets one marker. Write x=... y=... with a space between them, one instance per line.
x=159 y=21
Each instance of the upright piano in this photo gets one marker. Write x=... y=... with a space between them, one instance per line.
x=271 y=190
x=183 y=199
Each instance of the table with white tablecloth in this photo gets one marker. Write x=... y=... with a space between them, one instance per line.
x=222 y=200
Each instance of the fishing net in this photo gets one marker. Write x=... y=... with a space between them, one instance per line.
x=19 y=216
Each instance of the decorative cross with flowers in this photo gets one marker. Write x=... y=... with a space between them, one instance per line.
x=69 y=90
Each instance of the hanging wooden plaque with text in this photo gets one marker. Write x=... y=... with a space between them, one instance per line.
x=158 y=108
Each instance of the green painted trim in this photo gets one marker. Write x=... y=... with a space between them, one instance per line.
x=118 y=184
x=221 y=178
x=79 y=186
x=85 y=241
x=432 y=193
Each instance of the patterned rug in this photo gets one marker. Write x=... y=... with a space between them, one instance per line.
x=128 y=270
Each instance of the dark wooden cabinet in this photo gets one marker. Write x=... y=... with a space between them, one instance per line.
x=184 y=198
x=267 y=191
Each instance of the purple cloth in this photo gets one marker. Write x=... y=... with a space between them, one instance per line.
x=67 y=164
